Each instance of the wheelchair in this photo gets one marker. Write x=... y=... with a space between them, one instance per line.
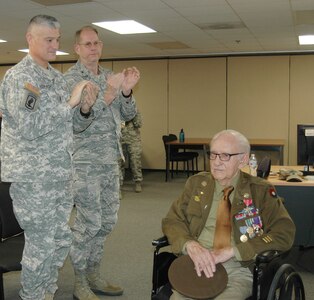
x=272 y=278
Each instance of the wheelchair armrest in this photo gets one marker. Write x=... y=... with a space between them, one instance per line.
x=160 y=242
x=267 y=256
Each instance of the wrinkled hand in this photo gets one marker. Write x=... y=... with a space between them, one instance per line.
x=202 y=258
x=131 y=77
x=114 y=83
x=205 y=260
x=89 y=96
x=222 y=255
x=75 y=98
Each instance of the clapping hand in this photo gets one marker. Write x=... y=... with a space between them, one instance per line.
x=113 y=87
x=83 y=87
x=88 y=97
x=131 y=77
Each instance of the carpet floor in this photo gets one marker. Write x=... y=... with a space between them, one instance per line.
x=128 y=253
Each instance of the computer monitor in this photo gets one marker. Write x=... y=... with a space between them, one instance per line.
x=305 y=141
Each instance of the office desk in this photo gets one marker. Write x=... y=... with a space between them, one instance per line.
x=276 y=145
x=189 y=143
x=299 y=201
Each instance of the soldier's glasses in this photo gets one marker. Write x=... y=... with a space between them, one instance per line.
x=90 y=44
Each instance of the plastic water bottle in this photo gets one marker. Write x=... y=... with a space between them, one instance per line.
x=253 y=165
x=181 y=136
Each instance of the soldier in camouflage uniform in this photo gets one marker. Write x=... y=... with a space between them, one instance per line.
x=132 y=148
x=36 y=154
x=96 y=153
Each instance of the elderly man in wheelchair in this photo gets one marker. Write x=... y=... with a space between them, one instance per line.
x=221 y=222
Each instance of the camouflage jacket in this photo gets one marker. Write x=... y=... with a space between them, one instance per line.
x=36 y=141
x=131 y=131
x=99 y=142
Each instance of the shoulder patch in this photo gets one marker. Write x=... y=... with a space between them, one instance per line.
x=31 y=97
x=272 y=192
x=30 y=102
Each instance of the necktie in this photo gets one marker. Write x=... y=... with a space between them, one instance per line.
x=223 y=221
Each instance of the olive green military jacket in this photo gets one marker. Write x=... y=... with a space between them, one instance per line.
x=188 y=214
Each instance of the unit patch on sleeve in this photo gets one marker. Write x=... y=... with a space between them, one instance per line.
x=272 y=192
x=31 y=98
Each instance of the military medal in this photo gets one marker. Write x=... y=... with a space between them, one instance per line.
x=247 y=202
x=243 y=237
x=250 y=230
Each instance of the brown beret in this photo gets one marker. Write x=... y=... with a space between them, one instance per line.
x=183 y=278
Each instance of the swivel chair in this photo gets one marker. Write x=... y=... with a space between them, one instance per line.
x=11 y=237
x=176 y=156
x=272 y=280
x=263 y=168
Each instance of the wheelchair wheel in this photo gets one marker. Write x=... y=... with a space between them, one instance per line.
x=286 y=285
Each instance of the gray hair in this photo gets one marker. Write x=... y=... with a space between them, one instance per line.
x=45 y=20
x=242 y=141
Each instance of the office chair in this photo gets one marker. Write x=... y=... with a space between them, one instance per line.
x=11 y=237
x=263 y=168
x=177 y=156
x=272 y=280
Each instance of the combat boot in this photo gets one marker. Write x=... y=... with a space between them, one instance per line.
x=82 y=290
x=138 y=187
x=101 y=286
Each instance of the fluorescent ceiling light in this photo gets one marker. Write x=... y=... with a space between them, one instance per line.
x=2 y=41
x=306 y=39
x=58 y=52
x=125 y=27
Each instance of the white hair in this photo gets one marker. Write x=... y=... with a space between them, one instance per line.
x=242 y=141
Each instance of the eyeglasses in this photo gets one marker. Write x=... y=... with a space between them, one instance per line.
x=90 y=44
x=222 y=156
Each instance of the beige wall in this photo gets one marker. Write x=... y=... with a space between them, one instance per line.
x=197 y=96
x=258 y=97
x=301 y=98
x=261 y=96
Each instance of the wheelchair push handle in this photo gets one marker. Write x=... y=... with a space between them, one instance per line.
x=160 y=242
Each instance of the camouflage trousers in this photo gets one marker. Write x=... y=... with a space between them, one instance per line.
x=132 y=152
x=96 y=197
x=43 y=211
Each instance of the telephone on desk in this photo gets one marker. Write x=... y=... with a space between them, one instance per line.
x=307 y=172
